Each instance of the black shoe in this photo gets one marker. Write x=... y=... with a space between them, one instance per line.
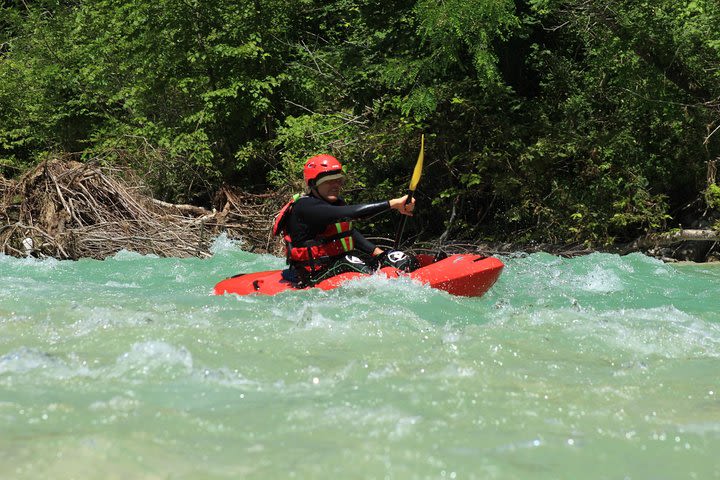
x=400 y=260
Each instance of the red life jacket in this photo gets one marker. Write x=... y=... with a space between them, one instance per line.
x=314 y=254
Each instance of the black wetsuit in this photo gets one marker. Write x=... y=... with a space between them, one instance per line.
x=310 y=216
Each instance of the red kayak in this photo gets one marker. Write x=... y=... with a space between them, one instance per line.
x=466 y=275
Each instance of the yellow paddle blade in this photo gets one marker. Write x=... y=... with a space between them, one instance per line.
x=418 y=166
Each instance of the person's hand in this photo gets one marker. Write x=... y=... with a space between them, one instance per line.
x=402 y=207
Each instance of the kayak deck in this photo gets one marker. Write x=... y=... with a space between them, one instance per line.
x=466 y=275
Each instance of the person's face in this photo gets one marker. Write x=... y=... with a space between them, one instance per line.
x=330 y=189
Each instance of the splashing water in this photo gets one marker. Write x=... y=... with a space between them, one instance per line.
x=594 y=367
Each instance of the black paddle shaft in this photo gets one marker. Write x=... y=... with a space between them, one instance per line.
x=401 y=227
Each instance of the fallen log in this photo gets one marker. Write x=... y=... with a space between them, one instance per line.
x=666 y=239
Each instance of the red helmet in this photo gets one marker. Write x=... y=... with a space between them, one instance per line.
x=321 y=168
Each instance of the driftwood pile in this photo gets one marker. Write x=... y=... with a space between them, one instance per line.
x=71 y=210
x=249 y=217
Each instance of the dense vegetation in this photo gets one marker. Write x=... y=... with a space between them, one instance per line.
x=545 y=120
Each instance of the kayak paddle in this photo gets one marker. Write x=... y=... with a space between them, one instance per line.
x=411 y=191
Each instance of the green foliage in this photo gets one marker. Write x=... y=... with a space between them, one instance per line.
x=461 y=30
x=192 y=79
x=545 y=120
x=301 y=137
x=712 y=196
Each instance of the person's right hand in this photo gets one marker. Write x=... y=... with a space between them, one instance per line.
x=401 y=206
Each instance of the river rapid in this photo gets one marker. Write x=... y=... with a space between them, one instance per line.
x=596 y=367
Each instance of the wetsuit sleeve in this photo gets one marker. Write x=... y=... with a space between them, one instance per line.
x=318 y=212
x=362 y=243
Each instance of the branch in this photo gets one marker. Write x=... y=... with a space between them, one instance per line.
x=183 y=208
x=707 y=139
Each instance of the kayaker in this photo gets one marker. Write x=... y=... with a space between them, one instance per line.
x=317 y=227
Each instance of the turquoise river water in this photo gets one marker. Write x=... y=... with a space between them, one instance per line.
x=597 y=367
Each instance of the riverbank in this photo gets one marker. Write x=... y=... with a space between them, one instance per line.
x=72 y=210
